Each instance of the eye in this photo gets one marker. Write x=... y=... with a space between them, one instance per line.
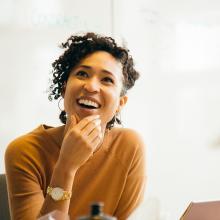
x=108 y=80
x=81 y=74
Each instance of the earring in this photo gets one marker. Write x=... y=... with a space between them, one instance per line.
x=63 y=115
x=118 y=118
x=61 y=99
x=115 y=119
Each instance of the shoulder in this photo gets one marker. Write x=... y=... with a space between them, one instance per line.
x=24 y=147
x=128 y=136
x=126 y=144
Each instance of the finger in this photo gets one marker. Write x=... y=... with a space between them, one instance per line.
x=96 y=132
x=95 y=124
x=96 y=143
x=86 y=121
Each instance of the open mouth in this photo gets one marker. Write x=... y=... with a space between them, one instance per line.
x=89 y=104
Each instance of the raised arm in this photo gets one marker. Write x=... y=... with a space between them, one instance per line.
x=26 y=197
x=86 y=136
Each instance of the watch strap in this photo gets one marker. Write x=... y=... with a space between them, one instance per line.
x=66 y=194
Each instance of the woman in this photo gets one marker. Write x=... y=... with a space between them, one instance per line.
x=87 y=159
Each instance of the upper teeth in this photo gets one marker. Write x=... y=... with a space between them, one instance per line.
x=88 y=102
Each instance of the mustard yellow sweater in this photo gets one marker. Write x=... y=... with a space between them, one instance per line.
x=115 y=175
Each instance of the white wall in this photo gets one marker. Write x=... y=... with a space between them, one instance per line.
x=175 y=104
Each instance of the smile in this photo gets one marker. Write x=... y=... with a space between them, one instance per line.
x=88 y=103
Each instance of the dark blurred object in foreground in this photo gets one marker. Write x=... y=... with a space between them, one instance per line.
x=97 y=214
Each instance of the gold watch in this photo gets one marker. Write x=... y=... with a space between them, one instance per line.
x=58 y=194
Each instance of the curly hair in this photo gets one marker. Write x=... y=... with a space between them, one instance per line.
x=77 y=47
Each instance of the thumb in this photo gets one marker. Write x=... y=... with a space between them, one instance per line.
x=71 y=120
x=74 y=119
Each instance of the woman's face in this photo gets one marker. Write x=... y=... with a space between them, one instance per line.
x=94 y=87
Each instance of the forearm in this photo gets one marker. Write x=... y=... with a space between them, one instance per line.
x=81 y=140
x=64 y=179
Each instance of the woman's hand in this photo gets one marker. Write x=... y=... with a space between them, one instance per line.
x=80 y=141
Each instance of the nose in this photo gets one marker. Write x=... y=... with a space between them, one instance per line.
x=92 y=85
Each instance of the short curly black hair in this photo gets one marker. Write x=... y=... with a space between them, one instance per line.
x=78 y=47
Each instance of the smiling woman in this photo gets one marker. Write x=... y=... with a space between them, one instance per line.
x=87 y=159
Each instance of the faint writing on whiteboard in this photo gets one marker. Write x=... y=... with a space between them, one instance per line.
x=57 y=20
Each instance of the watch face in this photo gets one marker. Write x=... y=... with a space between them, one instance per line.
x=57 y=193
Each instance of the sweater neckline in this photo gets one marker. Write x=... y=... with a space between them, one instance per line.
x=104 y=145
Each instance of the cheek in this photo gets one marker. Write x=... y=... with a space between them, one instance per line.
x=112 y=97
x=111 y=105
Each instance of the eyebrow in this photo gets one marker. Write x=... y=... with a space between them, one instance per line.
x=89 y=67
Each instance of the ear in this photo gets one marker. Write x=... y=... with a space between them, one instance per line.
x=63 y=90
x=123 y=100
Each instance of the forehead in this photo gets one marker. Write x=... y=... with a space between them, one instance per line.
x=101 y=60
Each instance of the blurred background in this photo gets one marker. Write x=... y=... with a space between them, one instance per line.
x=175 y=105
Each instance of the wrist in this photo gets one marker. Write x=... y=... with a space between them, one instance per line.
x=62 y=170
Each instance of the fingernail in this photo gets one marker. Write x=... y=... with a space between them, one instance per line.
x=95 y=116
x=97 y=121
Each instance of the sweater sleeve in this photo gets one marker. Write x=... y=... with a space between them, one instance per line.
x=23 y=181
x=133 y=192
